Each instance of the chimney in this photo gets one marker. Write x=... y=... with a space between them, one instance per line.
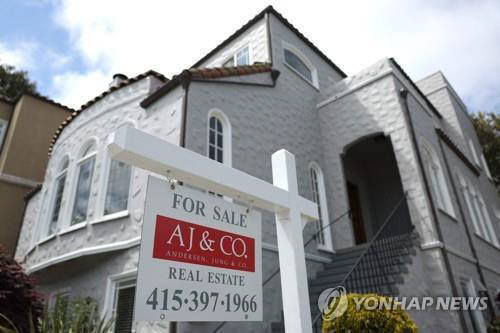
x=117 y=80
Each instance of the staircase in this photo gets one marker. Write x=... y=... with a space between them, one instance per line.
x=375 y=267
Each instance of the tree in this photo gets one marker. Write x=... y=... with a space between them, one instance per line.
x=19 y=301
x=13 y=82
x=487 y=125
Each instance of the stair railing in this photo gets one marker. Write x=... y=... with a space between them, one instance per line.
x=399 y=230
x=313 y=237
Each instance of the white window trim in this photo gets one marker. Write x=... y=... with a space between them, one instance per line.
x=234 y=55
x=3 y=133
x=111 y=283
x=305 y=60
x=227 y=149
x=52 y=197
x=474 y=153
x=325 y=217
x=66 y=227
x=487 y=220
x=101 y=201
x=442 y=189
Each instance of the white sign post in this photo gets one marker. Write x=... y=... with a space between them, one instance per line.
x=292 y=211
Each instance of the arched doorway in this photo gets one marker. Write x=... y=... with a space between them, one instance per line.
x=373 y=186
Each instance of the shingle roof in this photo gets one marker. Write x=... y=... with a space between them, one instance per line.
x=75 y=113
x=205 y=73
x=213 y=73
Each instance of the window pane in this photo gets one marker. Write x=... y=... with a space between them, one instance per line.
x=57 y=204
x=316 y=198
x=215 y=140
x=83 y=191
x=118 y=187
x=124 y=310
x=297 y=64
x=243 y=57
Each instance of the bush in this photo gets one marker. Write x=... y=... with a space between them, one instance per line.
x=19 y=301
x=494 y=326
x=78 y=315
x=377 y=320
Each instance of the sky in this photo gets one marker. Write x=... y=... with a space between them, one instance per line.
x=71 y=48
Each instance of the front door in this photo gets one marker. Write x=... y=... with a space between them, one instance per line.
x=356 y=214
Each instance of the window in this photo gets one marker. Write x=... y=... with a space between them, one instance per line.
x=478 y=213
x=215 y=140
x=319 y=197
x=437 y=180
x=123 y=305
x=476 y=316
x=219 y=137
x=3 y=130
x=59 y=184
x=240 y=58
x=299 y=63
x=82 y=195
x=473 y=152
x=486 y=168
x=117 y=189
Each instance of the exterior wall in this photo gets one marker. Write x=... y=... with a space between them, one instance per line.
x=5 y=110
x=255 y=37
x=369 y=104
x=97 y=122
x=25 y=150
x=11 y=208
x=23 y=158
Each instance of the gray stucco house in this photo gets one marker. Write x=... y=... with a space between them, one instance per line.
x=401 y=156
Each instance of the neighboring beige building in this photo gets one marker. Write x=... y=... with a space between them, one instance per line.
x=26 y=128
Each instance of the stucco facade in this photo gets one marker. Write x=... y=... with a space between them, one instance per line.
x=318 y=119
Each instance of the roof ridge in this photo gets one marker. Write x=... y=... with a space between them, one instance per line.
x=251 y=22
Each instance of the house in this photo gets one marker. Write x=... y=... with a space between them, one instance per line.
x=406 y=202
x=23 y=155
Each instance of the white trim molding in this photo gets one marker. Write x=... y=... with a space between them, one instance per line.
x=309 y=256
x=18 y=180
x=122 y=245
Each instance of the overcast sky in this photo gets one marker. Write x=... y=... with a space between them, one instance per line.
x=72 y=47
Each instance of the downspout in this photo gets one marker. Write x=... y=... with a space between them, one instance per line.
x=185 y=79
x=269 y=42
x=406 y=110
x=467 y=231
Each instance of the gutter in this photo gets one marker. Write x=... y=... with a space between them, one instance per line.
x=403 y=93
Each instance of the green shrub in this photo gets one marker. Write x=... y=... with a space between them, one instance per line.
x=78 y=315
x=378 y=320
x=494 y=326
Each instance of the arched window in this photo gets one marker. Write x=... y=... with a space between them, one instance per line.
x=117 y=186
x=299 y=63
x=219 y=137
x=85 y=172
x=59 y=185
x=319 y=196
x=437 y=179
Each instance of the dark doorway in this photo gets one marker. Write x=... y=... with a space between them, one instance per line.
x=356 y=213
x=374 y=187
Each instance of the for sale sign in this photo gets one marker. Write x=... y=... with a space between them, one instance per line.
x=200 y=257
